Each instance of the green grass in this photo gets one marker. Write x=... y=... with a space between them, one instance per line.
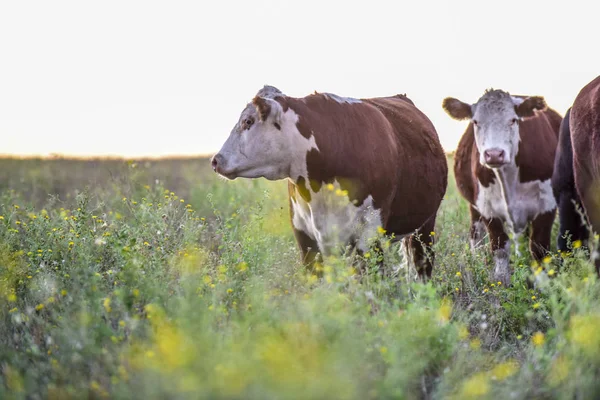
x=156 y=279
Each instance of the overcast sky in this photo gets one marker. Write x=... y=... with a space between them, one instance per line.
x=136 y=78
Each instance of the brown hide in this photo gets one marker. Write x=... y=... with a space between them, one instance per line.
x=383 y=147
x=585 y=138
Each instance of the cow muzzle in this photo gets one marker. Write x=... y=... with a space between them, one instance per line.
x=495 y=158
x=222 y=167
x=216 y=162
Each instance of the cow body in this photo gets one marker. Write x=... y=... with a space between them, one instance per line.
x=503 y=168
x=355 y=168
x=584 y=125
x=570 y=211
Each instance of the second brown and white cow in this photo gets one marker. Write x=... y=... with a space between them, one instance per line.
x=354 y=167
x=503 y=167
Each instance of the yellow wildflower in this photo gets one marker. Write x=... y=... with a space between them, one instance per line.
x=538 y=339
x=458 y=274
x=504 y=370
x=536 y=306
x=330 y=187
x=577 y=244
x=445 y=311
x=583 y=332
x=380 y=230
x=106 y=304
x=551 y=272
x=39 y=307
x=11 y=297
x=463 y=332
x=475 y=387
x=560 y=371
x=547 y=259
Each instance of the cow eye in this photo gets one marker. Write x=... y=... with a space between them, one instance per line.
x=513 y=121
x=475 y=122
x=247 y=123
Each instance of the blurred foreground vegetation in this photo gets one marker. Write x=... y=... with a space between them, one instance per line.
x=156 y=279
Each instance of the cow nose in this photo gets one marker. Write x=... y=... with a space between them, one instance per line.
x=494 y=157
x=216 y=160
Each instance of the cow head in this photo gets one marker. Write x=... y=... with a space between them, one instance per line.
x=495 y=118
x=261 y=143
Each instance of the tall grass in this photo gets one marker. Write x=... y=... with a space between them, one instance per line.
x=156 y=279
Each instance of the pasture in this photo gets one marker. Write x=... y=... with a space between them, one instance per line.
x=157 y=279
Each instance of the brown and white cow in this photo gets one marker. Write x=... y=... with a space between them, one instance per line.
x=353 y=167
x=503 y=167
x=584 y=125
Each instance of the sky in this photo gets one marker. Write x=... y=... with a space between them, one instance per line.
x=148 y=78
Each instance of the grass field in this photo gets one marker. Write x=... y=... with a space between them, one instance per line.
x=156 y=279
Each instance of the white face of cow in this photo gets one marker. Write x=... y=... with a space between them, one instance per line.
x=264 y=143
x=495 y=119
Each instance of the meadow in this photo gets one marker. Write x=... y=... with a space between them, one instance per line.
x=158 y=280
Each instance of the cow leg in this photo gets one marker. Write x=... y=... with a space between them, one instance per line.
x=477 y=231
x=571 y=222
x=419 y=248
x=500 y=245
x=588 y=187
x=309 y=249
x=539 y=239
x=590 y=199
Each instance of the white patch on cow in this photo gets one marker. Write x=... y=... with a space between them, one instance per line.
x=299 y=145
x=517 y=239
x=407 y=263
x=516 y=203
x=342 y=100
x=334 y=222
x=517 y=100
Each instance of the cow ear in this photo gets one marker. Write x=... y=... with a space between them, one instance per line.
x=457 y=109
x=267 y=107
x=529 y=105
x=262 y=107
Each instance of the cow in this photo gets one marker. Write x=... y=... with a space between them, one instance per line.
x=503 y=168
x=356 y=168
x=572 y=225
x=584 y=125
